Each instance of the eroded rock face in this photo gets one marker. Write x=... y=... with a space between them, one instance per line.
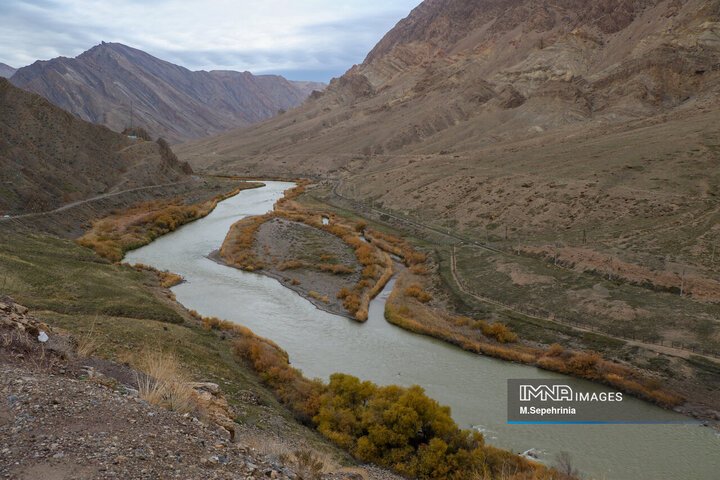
x=470 y=74
x=213 y=406
x=15 y=316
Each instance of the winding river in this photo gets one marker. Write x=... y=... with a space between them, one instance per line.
x=473 y=386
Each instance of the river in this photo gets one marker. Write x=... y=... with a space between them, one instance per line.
x=473 y=386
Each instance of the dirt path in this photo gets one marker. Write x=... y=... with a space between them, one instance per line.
x=93 y=199
x=666 y=350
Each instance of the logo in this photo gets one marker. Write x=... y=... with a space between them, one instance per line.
x=544 y=393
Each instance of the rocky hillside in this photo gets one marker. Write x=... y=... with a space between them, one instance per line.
x=6 y=71
x=545 y=118
x=49 y=157
x=167 y=100
x=52 y=389
x=458 y=75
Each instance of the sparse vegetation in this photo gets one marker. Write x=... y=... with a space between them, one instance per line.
x=239 y=250
x=164 y=382
x=399 y=428
x=111 y=237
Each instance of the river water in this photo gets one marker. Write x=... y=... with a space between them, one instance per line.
x=473 y=386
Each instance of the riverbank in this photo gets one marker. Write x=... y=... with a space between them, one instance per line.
x=322 y=344
x=112 y=236
x=119 y=313
x=287 y=282
x=319 y=247
x=676 y=374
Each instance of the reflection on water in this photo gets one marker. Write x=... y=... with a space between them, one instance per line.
x=474 y=386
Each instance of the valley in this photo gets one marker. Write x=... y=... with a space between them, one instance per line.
x=339 y=281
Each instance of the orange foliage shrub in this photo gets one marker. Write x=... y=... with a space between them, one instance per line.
x=416 y=290
x=420 y=270
x=111 y=237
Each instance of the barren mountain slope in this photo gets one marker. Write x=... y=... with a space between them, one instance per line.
x=545 y=117
x=170 y=101
x=6 y=71
x=49 y=157
x=468 y=74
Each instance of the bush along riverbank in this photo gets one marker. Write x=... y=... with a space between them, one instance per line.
x=124 y=230
x=371 y=249
x=411 y=305
x=395 y=427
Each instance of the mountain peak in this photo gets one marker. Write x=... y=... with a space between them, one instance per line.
x=6 y=71
x=116 y=85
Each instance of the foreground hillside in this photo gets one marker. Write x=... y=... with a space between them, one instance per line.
x=100 y=398
x=116 y=86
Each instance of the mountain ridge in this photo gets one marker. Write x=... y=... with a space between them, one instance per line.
x=502 y=69
x=6 y=71
x=49 y=157
x=116 y=85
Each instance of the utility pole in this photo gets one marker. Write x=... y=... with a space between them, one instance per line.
x=132 y=114
x=682 y=282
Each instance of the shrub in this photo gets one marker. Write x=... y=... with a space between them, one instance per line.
x=405 y=430
x=416 y=290
x=111 y=237
x=501 y=333
x=413 y=290
x=420 y=270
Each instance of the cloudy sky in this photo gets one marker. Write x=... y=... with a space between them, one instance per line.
x=300 y=39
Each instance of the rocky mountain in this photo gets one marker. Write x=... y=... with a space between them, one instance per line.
x=6 y=71
x=539 y=115
x=49 y=157
x=460 y=75
x=115 y=85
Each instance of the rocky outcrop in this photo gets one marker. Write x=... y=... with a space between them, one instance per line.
x=118 y=86
x=212 y=405
x=14 y=316
x=55 y=426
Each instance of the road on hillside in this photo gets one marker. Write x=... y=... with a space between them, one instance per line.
x=93 y=199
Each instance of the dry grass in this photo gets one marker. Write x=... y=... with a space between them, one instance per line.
x=88 y=344
x=164 y=382
x=309 y=464
x=139 y=225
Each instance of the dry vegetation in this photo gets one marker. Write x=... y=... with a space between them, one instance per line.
x=164 y=382
x=165 y=279
x=405 y=308
x=691 y=283
x=395 y=427
x=373 y=255
x=139 y=225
